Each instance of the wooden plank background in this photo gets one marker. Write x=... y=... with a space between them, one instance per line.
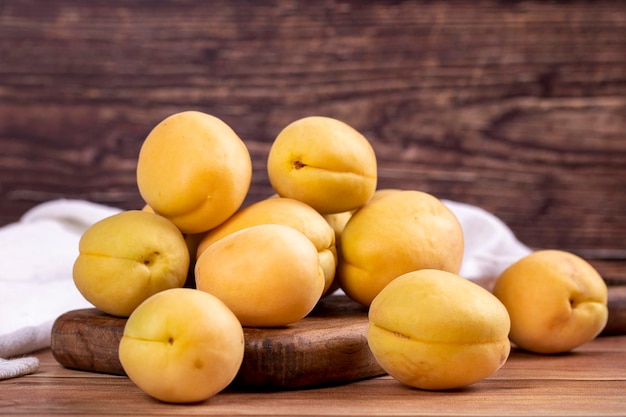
x=518 y=107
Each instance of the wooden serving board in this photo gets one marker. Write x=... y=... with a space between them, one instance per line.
x=327 y=347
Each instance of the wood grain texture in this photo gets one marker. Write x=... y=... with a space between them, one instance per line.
x=518 y=107
x=617 y=311
x=327 y=347
x=588 y=382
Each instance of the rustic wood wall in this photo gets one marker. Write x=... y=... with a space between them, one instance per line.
x=515 y=106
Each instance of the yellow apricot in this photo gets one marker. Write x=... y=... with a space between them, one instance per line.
x=397 y=232
x=435 y=330
x=182 y=346
x=289 y=212
x=323 y=162
x=268 y=275
x=338 y=222
x=557 y=301
x=127 y=257
x=194 y=170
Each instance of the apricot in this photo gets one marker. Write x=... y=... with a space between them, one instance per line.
x=125 y=258
x=324 y=163
x=289 y=212
x=182 y=345
x=395 y=233
x=338 y=222
x=194 y=170
x=557 y=301
x=435 y=330
x=269 y=275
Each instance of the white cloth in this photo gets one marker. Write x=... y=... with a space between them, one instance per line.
x=36 y=257
x=37 y=254
x=11 y=368
x=490 y=246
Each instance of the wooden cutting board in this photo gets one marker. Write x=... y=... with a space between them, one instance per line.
x=327 y=347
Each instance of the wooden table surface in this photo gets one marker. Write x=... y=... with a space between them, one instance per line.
x=591 y=380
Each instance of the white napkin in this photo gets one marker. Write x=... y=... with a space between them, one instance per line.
x=36 y=257
x=490 y=246
x=37 y=254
